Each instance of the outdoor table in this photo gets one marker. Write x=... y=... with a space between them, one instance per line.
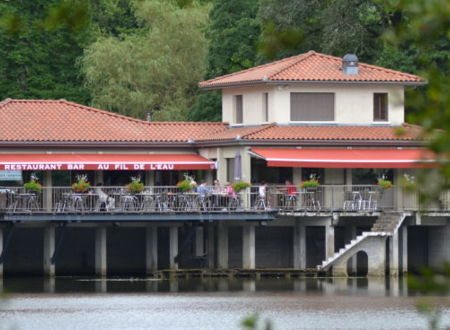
x=308 y=200
x=188 y=201
x=25 y=202
x=78 y=202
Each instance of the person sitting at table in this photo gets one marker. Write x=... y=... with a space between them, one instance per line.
x=291 y=194
x=218 y=189
x=104 y=202
x=231 y=195
x=262 y=196
x=202 y=190
x=204 y=193
x=291 y=189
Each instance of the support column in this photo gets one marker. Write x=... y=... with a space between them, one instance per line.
x=376 y=252
x=296 y=175
x=100 y=252
x=211 y=245
x=222 y=246
x=173 y=247
x=404 y=249
x=209 y=177
x=394 y=254
x=222 y=166
x=151 y=249
x=348 y=177
x=48 y=191
x=1 y=251
x=199 y=242
x=149 y=178
x=98 y=177
x=350 y=234
x=248 y=247
x=398 y=191
x=329 y=240
x=299 y=254
x=49 y=250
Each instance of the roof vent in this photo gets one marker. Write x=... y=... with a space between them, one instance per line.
x=350 y=64
x=148 y=116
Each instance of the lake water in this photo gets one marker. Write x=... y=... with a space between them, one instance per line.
x=82 y=303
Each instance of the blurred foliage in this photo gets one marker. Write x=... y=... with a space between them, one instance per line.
x=252 y=322
x=429 y=282
x=427 y=29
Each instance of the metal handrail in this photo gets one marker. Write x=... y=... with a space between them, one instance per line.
x=164 y=199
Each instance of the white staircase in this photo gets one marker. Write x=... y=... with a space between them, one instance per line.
x=386 y=225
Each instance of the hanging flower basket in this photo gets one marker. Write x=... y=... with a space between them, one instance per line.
x=135 y=186
x=33 y=186
x=240 y=185
x=384 y=184
x=82 y=185
x=185 y=185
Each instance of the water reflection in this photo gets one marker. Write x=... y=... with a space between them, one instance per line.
x=359 y=286
x=211 y=303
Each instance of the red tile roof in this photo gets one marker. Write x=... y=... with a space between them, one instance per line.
x=310 y=67
x=235 y=133
x=321 y=133
x=63 y=121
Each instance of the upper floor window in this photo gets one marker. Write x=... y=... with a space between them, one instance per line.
x=312 y=106
x=238 y=109
x=380 y=107
x=265 y=107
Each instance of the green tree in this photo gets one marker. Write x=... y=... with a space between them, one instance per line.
x=154 y=68
x=41 y=42
x=233 y=33
x=334 y=27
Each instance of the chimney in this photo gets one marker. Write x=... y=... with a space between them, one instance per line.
x=350 y=64
x=148 y=116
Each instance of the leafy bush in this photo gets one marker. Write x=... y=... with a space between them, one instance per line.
x=240 y=185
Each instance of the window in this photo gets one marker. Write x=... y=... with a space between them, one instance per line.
x=238 y=109
x=265 y=107
x=380 y=107
x=312 y=106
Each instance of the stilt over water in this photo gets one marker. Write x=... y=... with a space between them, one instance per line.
x=290 y=246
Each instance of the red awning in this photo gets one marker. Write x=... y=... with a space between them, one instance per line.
x=51 y=162
x=346 y=158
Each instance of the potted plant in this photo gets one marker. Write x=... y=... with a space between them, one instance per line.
x=408 y=183
x=82 y=185
x=384 y=183
x=33 y=185
x=313 y=182
x=135 y=186
x=240 y=185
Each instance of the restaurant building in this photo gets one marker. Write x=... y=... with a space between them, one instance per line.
x=322 y=140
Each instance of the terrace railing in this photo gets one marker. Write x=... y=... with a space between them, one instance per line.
x=154 y=199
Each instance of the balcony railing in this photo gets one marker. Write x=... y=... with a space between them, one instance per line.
x=324 y=198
